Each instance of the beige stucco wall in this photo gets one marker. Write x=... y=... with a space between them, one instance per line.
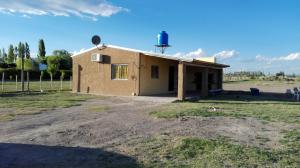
x=96 y=77
x=149 y=86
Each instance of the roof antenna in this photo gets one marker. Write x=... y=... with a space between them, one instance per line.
x=96 y=40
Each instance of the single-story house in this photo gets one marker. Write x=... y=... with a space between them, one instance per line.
x=113 y=70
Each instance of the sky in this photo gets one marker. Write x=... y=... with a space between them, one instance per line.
x=249 y=35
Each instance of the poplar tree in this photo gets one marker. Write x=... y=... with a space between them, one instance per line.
x=16 y=54
x=42 y=50
x=1 y=59
x=27 y=51
x=21 y=53
x=4 y=55
x=28 y=63
x=11 y=55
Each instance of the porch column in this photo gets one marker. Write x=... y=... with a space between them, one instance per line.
x=181 y=81
x=220 y=79
x=204 y=90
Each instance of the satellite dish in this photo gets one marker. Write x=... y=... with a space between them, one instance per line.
x=96 y=40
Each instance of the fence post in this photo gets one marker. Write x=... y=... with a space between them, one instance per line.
x=41 y=83
x=3 y=81
x=71 y=82
x=16 y=83
x=28 y=81
x=61 y=83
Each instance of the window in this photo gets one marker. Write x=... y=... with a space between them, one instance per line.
x=154 y=72
x=119 y=71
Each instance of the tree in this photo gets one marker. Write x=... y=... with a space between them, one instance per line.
x=4 y=55
x=28 y=63
x=53 y=66
x=29 y=66
x=42 y=50
x=5 y=67
x=65 y=59
x=21 y=53
x=11 y=55
x=16 y=54
x=27 y=51
x=1 y=59
x=61 y=53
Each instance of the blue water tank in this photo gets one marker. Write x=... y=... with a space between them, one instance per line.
x=163 y=39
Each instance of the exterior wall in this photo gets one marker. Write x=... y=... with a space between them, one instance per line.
x=95 y=78
x=149 y=86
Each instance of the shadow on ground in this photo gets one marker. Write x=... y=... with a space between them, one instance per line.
x=36 y=156
x=245 y=96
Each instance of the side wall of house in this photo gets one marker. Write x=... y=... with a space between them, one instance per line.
x=95 y=78
x=149 y=86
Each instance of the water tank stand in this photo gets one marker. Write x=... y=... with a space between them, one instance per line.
x=162 y=48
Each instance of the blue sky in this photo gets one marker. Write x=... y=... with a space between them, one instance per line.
x=249 y=35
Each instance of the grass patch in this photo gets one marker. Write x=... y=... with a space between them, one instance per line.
x=7 y=117
x=292 y=140
x=98 y=109
x=233 y=106
x=10 y=86
x=35 y=103
x=194 y=152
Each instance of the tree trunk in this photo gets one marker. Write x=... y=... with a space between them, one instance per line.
x=16 y=83
x=51 y=83
x=22 y=75
x=71 y=82
x=3 y=73
x=41 y=83
x=61 y=83
x=28 y=81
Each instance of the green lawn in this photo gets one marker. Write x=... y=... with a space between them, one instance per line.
x=197 y=152
x=11 y=86
x=234 y=106
x=35 y=102
x=201 y=153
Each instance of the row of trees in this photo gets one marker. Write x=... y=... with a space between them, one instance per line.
x=18 y=60
x=245 y=75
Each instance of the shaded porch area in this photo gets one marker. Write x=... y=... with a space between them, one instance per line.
x=197 y=80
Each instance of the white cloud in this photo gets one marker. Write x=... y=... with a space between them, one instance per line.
x=193 y=54
x=75 y=52
x=290 y=57
x=80 y=8
x=26 y=16
x=200 y=53
x=226 y=54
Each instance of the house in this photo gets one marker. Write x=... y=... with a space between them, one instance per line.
x=113 y=70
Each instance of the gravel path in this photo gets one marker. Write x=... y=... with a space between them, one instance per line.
x=79 y=130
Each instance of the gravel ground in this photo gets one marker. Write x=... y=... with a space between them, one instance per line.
x=81 y=137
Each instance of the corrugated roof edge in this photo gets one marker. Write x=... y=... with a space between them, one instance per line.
x=147 y=53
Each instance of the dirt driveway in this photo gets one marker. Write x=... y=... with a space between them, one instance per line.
x=90 y=134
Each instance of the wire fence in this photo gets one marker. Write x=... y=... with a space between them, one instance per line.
x=36 y=86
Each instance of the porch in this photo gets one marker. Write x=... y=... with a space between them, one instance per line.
x=197 y=79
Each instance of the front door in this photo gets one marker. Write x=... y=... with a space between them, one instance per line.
x=171 y=78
